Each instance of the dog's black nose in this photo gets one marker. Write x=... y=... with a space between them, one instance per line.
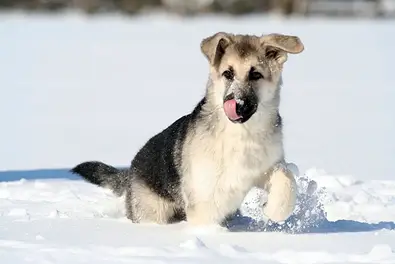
x=246 y=107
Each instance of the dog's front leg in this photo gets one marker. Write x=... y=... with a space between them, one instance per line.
x=201 y=214
x=281 y=187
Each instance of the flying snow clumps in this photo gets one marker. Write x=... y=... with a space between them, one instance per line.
x=307 y=216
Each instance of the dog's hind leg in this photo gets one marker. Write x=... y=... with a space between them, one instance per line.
x=145 y=206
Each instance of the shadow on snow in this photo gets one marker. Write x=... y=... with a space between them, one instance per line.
x=247 y=224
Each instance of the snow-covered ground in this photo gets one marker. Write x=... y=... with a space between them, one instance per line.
x=76 y=88
x=70 y=221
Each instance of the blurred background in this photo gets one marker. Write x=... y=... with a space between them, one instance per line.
x=350 y=8
x=94 y=79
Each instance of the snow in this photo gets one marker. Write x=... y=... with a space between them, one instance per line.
x=77 y=88
x=71 y=221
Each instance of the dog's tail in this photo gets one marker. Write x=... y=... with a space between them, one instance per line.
x=103 y=175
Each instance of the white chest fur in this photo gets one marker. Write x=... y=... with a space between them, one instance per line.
x=221 y=168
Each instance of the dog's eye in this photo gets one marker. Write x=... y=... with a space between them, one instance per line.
x=228 y=75
x=254 y=76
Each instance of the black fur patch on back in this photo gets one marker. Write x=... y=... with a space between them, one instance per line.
x=155 y=164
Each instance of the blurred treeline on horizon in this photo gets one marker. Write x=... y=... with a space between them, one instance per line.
x=349 y=8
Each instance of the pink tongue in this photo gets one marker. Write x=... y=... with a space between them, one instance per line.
x=230 y=109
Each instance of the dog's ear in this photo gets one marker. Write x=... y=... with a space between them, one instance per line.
x=277 y=46
x=213 y=47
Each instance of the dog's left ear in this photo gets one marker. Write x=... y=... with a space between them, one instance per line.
x=213 y=47
x=277 y=46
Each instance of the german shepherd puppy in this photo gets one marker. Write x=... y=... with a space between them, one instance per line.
x=201 y=167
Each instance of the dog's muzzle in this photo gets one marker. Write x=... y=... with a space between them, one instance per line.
x=239 y=110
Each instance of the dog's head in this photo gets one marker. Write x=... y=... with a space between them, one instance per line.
x=245 y=71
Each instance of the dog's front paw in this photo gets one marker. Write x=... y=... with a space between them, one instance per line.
x=201 y=214
x=281 y=197
x=200 y=223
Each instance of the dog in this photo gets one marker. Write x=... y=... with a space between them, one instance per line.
x=201 y=167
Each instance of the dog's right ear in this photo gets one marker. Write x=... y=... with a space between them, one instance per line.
x=213 y=47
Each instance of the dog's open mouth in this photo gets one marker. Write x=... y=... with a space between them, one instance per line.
x=230 y=110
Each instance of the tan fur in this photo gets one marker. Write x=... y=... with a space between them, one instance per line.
x=282 y=195
x=222 y=161
x=149 y=207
